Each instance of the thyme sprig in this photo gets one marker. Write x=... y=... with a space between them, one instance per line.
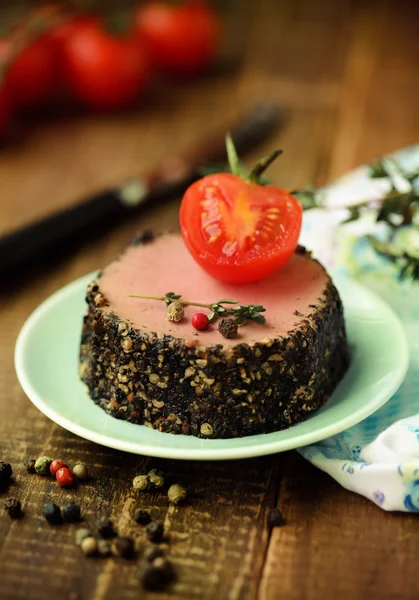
x=241 y=313
x=397 y=208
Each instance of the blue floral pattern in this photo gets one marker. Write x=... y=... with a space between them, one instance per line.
x=379 y=457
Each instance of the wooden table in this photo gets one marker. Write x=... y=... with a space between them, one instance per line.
x=347 y=74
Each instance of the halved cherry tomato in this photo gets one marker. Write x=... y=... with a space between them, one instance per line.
x=103 y=70
x=31 y=78
x=237 y=231
x=182 y=40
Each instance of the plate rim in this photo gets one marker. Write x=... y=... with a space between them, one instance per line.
x=233 y=453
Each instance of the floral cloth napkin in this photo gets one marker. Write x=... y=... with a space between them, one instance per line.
x=379 y=457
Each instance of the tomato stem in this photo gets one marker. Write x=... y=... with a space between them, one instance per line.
x=237 y=169
x=233 y=159
x=262 y=165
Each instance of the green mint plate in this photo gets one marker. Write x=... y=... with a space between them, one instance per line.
x=47 y=368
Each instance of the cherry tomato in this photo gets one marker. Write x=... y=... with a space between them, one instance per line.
x=236 y=231
x=103 y=70
x=56 y=465
x=31 y=78
x=182 y=40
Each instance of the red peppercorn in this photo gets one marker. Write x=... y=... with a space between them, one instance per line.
x=55 y=466
x=200 y=321
x=64 y=477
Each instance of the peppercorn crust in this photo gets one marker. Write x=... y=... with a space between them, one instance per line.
x=214 y=391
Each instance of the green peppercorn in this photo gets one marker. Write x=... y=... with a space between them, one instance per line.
x=42 y=465
x=13 y=508
x=104 y=548
x=30 y=465
x=89 y=546
x=141 y=482
x=176 y=493
x=80 y=471
x=175 y=312
x=82 y=534
x=52 y=513
x=156 y=478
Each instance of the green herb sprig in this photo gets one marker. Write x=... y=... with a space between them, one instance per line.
x=397 y=209
x=240 y=313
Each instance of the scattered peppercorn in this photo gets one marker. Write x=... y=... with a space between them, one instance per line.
x=175 y=312
x=141 y=482
x=104 y=548
x=80 y=471
x=13 y=508
x=42 y=465
x=56 y=465
x=71 y=512
x=142 y=517
x=105 y=528
x=124 y=546
x=164 y=566
x=155 y=531
x=6 y=473
x=275 y=518
x=52 y=513
x=64 y=477
x=30 y=465
x=176 y=493
x=154 y=576
x=150 y=577
x=152 y=552
x=156 y=478
x=82 y=534
x=89 y=546
x=228 y=328
x=200 y=321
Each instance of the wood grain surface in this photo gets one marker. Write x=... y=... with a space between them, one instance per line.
x=347 y=75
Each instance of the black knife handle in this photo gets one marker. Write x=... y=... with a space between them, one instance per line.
x=63 y=227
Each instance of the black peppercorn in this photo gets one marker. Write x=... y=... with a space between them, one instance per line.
x=105 y=528
x=275 y=518
x=52 y=513
x=142 y=517
x=13 y=508
x=124 y=546
x=5 y=474
x=30 y=465
x=71 y=512
x=150 y=577
x=152 y=552
x=155 y=531
x=228 y=328
x=164 y=566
